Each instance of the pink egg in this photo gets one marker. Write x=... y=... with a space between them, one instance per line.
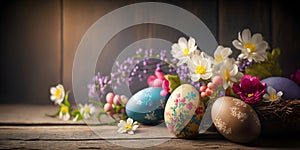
x=203 y=94
x=211 y=85
x=107 y=106
x=203 y=88
x=163 y=92
x=117 y=99
x=217 y=80
x=208 y=92
x=110 y=97
x=157 y=83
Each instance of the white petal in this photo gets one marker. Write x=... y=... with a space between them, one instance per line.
x=130 y=132
x=246 y=36
x=279 y=94
x=59 y=86
x=52 y=97
x=66 y=116
x=240 y=37
x=122 y=123
x=206 y=76
x=52 y=90
x=256 y=38
x=195 y=77
x=271 y=90
x=121 y=130
x=60 y=115
x=261 y=47
x=266 y=96
x=135 y=127
x=237 y=44
x=226 y=52
x=191 y=43
x=182 y=40
x=129 y=121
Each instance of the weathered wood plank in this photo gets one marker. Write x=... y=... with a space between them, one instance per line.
x=235 y=15
x=30 y=50
x=102 y=144
x=285 y=33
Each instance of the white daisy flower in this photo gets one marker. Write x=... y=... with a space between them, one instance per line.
x=200 y=67
x=64 y=113
x=228 y=70
x=87 y=110
x=129 y=126
x=272 y=95
x=221 y=54
x=183 y=49
x=252 y=47
x=57 y=94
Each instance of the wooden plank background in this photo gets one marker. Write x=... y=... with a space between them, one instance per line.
x=38 y=39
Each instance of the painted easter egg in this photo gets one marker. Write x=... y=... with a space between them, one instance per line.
x=235 y=120
x=147 y=106
x=289 y=88
x=184 y=111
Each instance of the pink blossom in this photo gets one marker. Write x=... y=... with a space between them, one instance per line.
x=250 y=89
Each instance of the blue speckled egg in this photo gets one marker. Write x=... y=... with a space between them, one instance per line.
x=289 y=88
x=147 y=106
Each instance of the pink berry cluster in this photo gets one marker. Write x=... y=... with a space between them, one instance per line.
x=115 y=105
x=159 y=80
x=211 y=87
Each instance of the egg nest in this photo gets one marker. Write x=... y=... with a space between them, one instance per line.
x=281 y=117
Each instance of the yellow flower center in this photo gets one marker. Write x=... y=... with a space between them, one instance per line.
x=226 y=75
x=250 y=95
x=273 y=97
x=250 y=47
x=127 y=126
x=57 y=93
x=87 y=109
x=200 y=70
x=186 y=52
x=64 y=109
x=219 y=58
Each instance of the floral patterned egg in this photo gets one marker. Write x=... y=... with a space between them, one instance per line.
x=184 y=111
x=235 y=120
x=146 y=106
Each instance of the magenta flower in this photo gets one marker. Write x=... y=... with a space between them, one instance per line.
x=296 y=77
x=250 y=89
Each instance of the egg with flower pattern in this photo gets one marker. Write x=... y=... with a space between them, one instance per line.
x=184 y=111
x=235 y=120
x=147 y=106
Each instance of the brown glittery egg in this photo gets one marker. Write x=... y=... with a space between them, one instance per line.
x=235 y=120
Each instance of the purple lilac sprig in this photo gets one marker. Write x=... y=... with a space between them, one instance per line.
x=243 y=64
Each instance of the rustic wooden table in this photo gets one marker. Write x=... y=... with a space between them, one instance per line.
x=27 y=127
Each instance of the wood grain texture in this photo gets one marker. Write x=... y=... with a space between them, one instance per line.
x=285 y=34
x=80 y=15
x=45 y=133
x=235 y=15
x=30 y=50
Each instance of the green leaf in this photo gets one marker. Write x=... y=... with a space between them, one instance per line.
x=96 y=103
x=66 y=101
x=174 y=82
x=77 y=113
x=54 y=115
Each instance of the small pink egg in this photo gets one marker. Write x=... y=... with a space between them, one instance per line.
x=117 y=99
x=208 y=92
x=203 y=94
x=203 y=88
x=107 y=106
x=163 y=92
x=217 y=80
x=124 y=99
x=110 y=97
x=211 y=85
